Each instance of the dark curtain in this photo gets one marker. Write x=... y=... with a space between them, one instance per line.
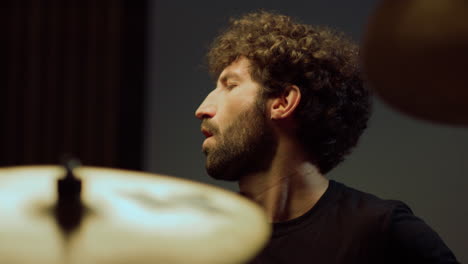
x=74 y=82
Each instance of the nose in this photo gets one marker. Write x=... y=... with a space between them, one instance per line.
x=207 y=108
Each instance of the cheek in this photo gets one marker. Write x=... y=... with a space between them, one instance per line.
x=226 y=118
x=233 y=112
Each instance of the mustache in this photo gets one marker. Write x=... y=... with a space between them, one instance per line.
x=210 y=127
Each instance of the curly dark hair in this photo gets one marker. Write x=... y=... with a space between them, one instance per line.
x=335 y=105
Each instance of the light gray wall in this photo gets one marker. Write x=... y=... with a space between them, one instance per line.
x=421 y=163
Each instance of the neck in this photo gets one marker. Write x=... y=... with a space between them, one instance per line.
x=290 y=188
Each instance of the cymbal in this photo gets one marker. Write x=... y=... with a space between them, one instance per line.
x=415 y=56
x=131 y=217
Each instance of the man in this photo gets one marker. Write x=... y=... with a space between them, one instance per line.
x=289 y=104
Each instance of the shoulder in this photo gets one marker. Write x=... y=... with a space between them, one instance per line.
x=363 y=215
x=365 y=203
x=412 y=239
x=408 y=237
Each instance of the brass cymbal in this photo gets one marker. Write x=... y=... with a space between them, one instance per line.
x=131 y=217
x=415 y=56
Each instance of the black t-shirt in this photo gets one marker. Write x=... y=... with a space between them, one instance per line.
x=350 y=226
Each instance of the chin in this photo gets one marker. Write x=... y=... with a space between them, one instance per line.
x=221 y=174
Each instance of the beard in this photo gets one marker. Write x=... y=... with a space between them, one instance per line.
x=247 y=146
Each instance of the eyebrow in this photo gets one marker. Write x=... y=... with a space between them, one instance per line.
x=229 y=75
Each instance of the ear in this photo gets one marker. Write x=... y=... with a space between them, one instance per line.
x=283 y=106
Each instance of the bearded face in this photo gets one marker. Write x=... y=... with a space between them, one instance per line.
x=246 y=146
x=240 y=139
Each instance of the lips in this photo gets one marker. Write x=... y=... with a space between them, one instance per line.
x=207 y=133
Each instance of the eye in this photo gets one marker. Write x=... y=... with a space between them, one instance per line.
x=231 y=86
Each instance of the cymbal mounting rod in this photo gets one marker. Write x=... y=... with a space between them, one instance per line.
x=69 y=209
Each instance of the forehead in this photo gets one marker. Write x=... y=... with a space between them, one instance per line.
x=238 y=69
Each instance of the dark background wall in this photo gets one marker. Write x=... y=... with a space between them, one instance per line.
x=421 y=163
